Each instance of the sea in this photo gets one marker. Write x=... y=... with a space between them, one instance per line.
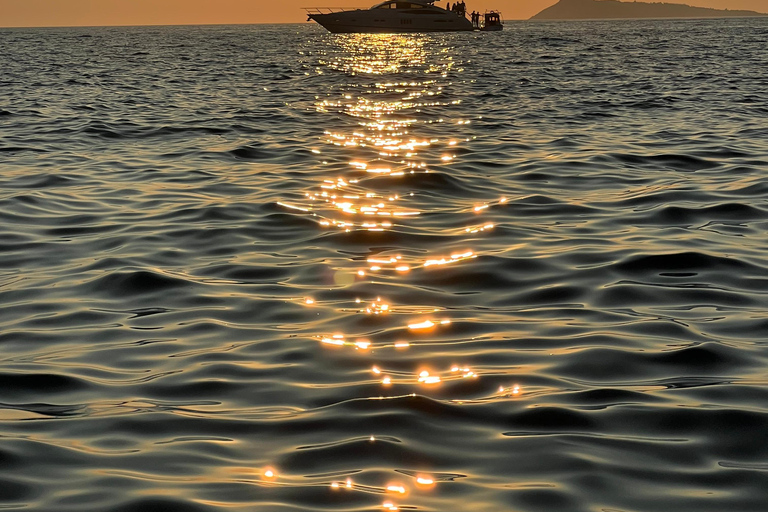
x=269 y=268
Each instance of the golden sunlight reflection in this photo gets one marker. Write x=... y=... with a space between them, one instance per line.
x=425 y=481
x=347 y=206
x=478 y=229
x=452 y=259
x=426 y=378
x=398 y=264
x=426 y=324
x=376 y=152
x=377 y=307
x=430 y=377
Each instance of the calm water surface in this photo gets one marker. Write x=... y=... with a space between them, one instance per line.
x=269 y=268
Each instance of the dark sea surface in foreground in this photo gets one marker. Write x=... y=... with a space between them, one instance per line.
x=270 y=268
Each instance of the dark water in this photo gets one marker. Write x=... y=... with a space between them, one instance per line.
x=213 y=241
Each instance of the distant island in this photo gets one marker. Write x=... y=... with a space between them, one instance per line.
x=602 y=9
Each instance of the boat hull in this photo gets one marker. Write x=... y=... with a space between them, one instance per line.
x=368 y=21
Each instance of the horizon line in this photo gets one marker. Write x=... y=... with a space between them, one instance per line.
x=760 y=15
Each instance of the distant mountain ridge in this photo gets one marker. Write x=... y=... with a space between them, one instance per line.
x=602 y=9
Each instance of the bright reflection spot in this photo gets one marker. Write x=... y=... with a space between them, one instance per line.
x=396 y=488
x=426 y=378
x=386 y=381
x=425 y=481
x=388 y=505
x=478 y=229
x=293 y=207
x=309 y=301
x=270 y=474
x=334 y=485
x=333 y=341
x=452 y=259
x=428 y=324
x=513 y=391
x=377 y=307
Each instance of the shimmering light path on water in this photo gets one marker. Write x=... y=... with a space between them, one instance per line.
x=270 y=268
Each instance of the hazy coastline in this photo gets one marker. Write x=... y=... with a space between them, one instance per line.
x=614 y=9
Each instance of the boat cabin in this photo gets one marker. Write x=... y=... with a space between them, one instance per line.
x=492 y=21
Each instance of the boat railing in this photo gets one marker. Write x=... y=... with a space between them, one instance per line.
x=327 y=10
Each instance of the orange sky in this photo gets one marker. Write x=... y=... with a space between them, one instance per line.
x=36 y=13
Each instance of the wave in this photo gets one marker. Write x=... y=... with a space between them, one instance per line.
x=215 y=296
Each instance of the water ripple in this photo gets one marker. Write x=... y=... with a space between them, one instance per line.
x=270 y=268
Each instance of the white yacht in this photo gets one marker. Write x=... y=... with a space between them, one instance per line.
x=391 y=16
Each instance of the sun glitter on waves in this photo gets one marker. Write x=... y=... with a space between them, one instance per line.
x=425 y=376
x=398 y=264
x=381 y=152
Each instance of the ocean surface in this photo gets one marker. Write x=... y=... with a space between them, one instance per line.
x=267 y=268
